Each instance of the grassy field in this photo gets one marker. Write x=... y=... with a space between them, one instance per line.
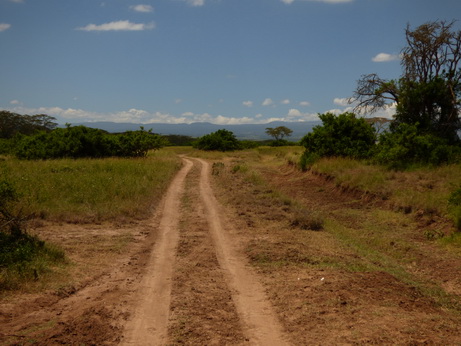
x=84 y=191
x=121 y=190
x=91 y=190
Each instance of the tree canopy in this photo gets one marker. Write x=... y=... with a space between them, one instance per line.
x=13 y=123
x=222 y=140
x=428 y=93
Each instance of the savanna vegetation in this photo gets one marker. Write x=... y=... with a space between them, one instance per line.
x=412 y=161
x=426 y=127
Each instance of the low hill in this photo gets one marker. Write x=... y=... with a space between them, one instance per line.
x=245 y=131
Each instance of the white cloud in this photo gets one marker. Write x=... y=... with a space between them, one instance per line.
x=304 y=103
x=195 y=3
x=121 y=25
x=296 y=115
x=385 y=57
x=15 y=102
x=267 y=102
x=285 y=102
x=142 y=8
x=341 y=101
x=139 y=116
x=17 y=1
x=248 y=103
x=4 y=26
x=288 y=2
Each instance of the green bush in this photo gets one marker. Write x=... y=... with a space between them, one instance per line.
x=406 y=146
x=22 y=256
x=343 y=135
x=81 y=141
x=221 y=140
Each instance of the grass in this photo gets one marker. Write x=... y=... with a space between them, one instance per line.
x=426 y=189
x=369 y=239
x=76 y=191
x=91 y=190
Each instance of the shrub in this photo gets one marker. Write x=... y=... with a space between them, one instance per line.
x=19 y=251
x=222 y=140
x=343 y=135
x=406 y=146
x=81 y=141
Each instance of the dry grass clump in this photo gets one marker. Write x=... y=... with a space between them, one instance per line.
x=307 y=219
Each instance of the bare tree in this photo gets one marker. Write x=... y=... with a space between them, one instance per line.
x=374 y=93
x=427 y=94
x=433 y=51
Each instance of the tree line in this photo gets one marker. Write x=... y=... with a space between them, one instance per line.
x=37 y=137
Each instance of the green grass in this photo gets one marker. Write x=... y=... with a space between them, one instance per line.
x=426 y=189
x=77 y=191
x=88 y=190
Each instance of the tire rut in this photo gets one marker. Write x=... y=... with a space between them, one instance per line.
x=149 y=325
x=237 y=305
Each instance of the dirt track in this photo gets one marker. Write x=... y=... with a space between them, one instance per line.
x=221 y=263
x=149 y=325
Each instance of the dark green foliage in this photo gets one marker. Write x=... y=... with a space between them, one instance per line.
x=136 y=143
x=19 y=251
x=81 y=141
x=12 y=124
x=406 y=146
x=179 y=140
x=221 y=140
x=279 y=133
x=247 y=144
x=342 y=135
x=307 y=160
x=428 y=93
x=429 y=105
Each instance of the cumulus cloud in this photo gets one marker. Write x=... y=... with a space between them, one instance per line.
x=285 y=102
x=4 y=26
x=14 y=102
x=140 y=116
x=248 y=103
x=296 y=115
x=267 y=102
x=304 y=103
x=341 y=101
x=121 y=25
x=288 y=2
x=142 y=8
x=385 y=57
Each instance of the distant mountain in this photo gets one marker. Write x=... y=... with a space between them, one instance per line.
x=244 y=131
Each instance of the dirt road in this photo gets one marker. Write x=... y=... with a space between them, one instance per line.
x=149 y=326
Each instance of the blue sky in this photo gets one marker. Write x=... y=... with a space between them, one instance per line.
x=183 y=61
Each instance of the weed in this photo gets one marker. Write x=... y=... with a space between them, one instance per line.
x=217 y=168
x=307 y=220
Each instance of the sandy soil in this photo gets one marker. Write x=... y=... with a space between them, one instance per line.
x=222 y=262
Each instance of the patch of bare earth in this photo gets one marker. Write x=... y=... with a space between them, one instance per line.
x=323 y=289
x=202 y=309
